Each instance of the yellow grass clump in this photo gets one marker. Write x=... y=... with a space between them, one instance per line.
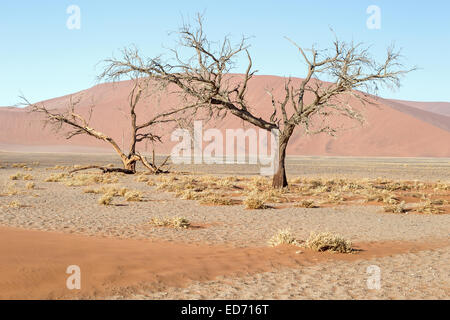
x=177 y=222
x=282 y=237
x=215 y=199
x=89 y=179
x=21 y=176
x=395 y=208
x=105 y=200
x=30 y=185
x=10 y=190
x=254 y=201
x=430 y=207
x=305 y=204
x=15 y=204
x=19 y=165
x=56 y=177
x=326 y=241
x=135 y=196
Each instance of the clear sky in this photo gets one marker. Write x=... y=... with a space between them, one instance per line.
x=42 y=58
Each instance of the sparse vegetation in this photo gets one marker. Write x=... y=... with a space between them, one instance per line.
x=326 y=241
x=305 y=204
x=395 y=208
x=430 y=207
x=176 y=222
x=133 y=195
x=254 y=201
x=283 y=237
x=30 y=185
x=105 y=200
x=21 y=176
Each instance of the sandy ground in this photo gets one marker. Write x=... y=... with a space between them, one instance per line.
x=228 y=244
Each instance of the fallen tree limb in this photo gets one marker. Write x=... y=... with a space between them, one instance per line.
x=104 y=169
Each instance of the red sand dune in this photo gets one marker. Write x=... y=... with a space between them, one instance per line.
x=393 y=128
x=33 y=264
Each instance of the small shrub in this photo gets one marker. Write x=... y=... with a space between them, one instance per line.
x=56 y=177
x=429 y=207
x=282 y=237
x=30 y=185
x=16 y=176
x=395 y=208
x=254 y=201
x=105 y=200
x=326 y=241
x=305 y=204
x=177 y=222
x=135 y=196
x=214 y=199
x=14 y=204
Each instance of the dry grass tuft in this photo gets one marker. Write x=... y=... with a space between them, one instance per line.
x=21 y=176
x=10 y=190
x=56 y=177
x=254 y=201
x=305 y=204
x=429 y=207
x=15 y=204
x=30 y=185
x=19 y=165
x=214 y=199
x=90 y=179
x=326 y=241
x=282 y=237
x=105 y=200
x=177 y=222
x=133 y=195
x=395 y=208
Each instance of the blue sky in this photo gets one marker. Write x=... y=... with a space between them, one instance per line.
x=42 y=58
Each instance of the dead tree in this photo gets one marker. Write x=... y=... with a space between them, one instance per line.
x=74 y=124
x=205 y=77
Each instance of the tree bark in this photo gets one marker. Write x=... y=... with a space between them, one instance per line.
x=279 y=178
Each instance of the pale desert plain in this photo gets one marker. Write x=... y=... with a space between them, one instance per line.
x=380 y=190
x=51 y=220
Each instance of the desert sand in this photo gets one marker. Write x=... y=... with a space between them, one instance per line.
x=225 y=252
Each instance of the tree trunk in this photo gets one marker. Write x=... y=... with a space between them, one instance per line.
x=279 y=178
x=129 y=163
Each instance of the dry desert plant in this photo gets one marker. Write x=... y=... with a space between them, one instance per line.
x=176 y=222
x=56 y=177
x=105 y=200
x=133 y=196
x=395 y=208
x=283 y=237
x=216 y=199
x=305 y=204
x=254 y=201
x=30 y=185
x=326 y=241
x=429 y=207
x=15 y=204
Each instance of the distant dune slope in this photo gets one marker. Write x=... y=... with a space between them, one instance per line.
x=393 y=128
x=442 y=108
